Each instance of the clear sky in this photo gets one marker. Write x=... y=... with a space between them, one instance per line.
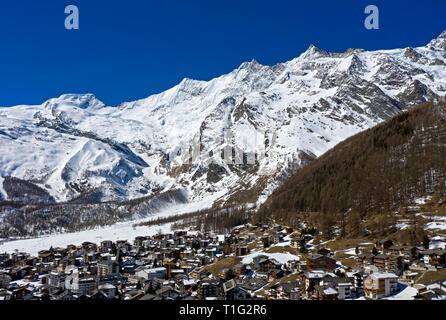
x=127 y=50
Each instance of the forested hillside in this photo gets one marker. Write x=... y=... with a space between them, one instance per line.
x=376 y=172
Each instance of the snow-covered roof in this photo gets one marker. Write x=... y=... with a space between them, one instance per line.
x=330 y=291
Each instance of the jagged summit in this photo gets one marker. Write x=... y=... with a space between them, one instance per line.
x=313 y=52
x=250 y=65
x=439 y=43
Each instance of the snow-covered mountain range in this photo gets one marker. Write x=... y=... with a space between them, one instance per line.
x=227 y=140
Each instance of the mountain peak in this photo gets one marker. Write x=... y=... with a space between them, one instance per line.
x=313 y=52
x=83 y=101
x=439 y=43
x=249 y=65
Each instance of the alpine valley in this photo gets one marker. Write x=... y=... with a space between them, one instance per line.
x=74 y=162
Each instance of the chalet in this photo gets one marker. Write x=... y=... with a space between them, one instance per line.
x=309 y=278
x=266 y=264
x=211 y=252
x=208 y=288
x=357 y=279
x=409 y=252
x=432 y=294
x=388 y=263
x=233 y=292
x=89 y=257
x=383 y=244
x=139 y=241
x=22 y=293
x=267 y=241
x=289 y=291
x=364 y=260
x=275 y=274
x=89 y=246
x=20 y=272
x=296 y=243
x=435 y=258
x=380 y=285
x=318 y=262
x=106 y=245
x=341 y=285
x=278 y=237
x=124 y=245
x=241 y=251
x=292 y=266
x=434 y=291
x=302 y=265
x=323 y=251
x=410 y=275
x=45 y=256
x=32 y=261
x=324 y=293
x=183 y=283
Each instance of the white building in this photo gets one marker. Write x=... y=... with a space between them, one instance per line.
x=151 y=273
x=78 y=285
x=379 y=285
x=56 y=279
x=107 y=268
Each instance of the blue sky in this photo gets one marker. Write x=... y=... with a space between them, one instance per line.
x=127 y=50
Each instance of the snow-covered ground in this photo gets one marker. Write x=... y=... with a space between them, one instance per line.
x=119 y=231
x=351 y=251
x=435 y=225
x=422 y=200
x=280 y=257
x=406 y=294
x=402 y=226
x=437 y=242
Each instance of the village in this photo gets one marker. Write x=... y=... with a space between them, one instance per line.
x=252 y=262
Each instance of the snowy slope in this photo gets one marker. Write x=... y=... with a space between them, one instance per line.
x=276 y=117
